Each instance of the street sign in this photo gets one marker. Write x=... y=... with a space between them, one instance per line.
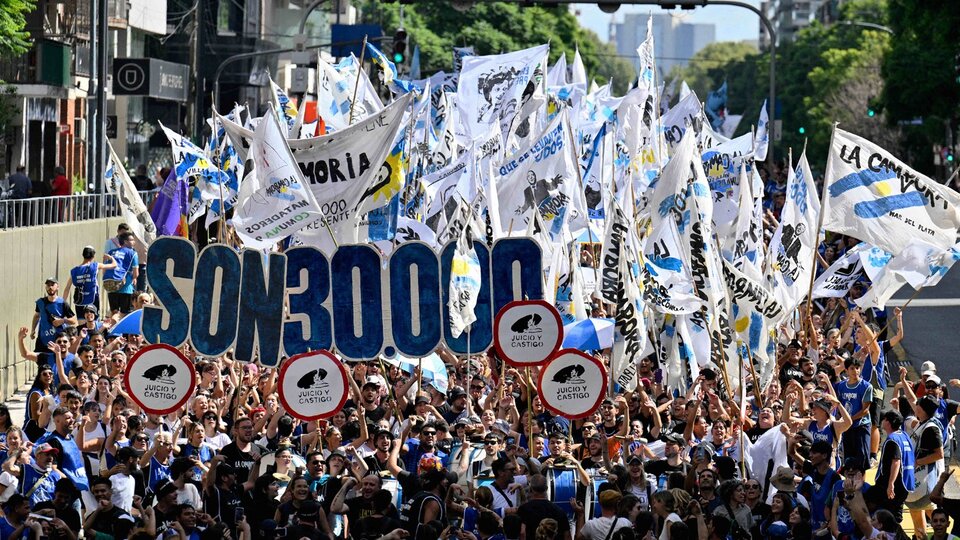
x=150 y=77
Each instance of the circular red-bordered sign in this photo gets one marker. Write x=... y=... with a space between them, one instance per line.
x=527 y=332
x=313 y=385
x=160 y=379
x=572 y=384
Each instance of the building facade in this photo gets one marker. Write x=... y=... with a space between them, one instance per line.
x=676 y=41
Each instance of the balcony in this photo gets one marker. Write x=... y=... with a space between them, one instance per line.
x=49 y=63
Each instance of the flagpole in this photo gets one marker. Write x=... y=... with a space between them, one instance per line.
x=529 y=411
x=356 y=85
x=753 y=373
x=823 y=211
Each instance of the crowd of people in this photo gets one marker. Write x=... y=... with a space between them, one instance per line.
x=484 y=460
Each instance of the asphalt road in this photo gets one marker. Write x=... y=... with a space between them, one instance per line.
x=933 y=332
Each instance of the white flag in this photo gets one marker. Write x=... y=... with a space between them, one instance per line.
x=134 y=212
x=557 y=76
x=920 y=265
x=630 y=334
x=274 y=201
x=835 y=282
x=465 y=284
x=542 y=178
x=873 y=196
x=613 y=250
x=578 y=73
x=489 y=89
x=762 y=137
x=795 y=238
x=446 y=187
x=343 y=170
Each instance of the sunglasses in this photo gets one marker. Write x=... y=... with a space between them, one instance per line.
x=476 y=387
x=429 y=432
x=316 y=462
x=140 y=439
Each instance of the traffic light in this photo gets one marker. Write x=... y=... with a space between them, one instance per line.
x=870 y=112
x=802 y=130
x=399 y=45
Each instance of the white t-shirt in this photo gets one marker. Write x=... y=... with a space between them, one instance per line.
x=11 y=482
x=500 y=501
x=123 y=486
x=190 y=495
x=666 y=525
x=218 y=441
x=599 y=528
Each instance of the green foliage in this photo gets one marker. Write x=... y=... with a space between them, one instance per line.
x=919 y=72
x=13 y=38
x=493 y=28
x=9 y=108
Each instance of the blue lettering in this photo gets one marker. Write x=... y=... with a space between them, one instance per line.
x=215 y=342
x=182 y=253
x=261 y=308
x=307 y=268
x=369 y=342
x=402 y=262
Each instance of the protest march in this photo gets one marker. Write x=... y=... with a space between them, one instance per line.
x=500 y=303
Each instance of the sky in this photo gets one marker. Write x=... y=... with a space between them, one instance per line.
x=739 y=23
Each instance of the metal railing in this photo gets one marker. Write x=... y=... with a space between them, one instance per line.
x=39 y=211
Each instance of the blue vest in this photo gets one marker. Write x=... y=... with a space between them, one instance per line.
x=49 y=311
x=907 y=459
x=84 y=278
x=819 y=496
x=44 y=491
x=71 y=462
x=158 y=471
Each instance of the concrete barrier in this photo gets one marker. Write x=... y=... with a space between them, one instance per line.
x=27 y=257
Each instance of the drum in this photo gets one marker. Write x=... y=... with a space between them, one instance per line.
x=593 y=496
x=392 y=485
x=561 y=487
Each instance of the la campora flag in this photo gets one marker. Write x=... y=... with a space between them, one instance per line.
x=871 y=195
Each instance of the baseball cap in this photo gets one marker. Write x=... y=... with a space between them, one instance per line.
x=422 y=399
x=823 y=404
x=336 y=453
x=635 y=459
x=928 y=366
x=386 y=432
x=50 y=280
x=165 y=487
x=610 y=497
x=675 y=438
x=502 y=425
x=794 y=344
x=932 y=377
x=45 y=448
x=457 y=392
x=374 y=381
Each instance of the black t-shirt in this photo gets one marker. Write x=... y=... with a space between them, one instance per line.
x=241 y=461
x=374 y=465
x=755 y=432
x=534 y=511
x=372 y=528
x=142 y=182
x=359 y=508
x=930 y=441
x=297 y=532
x=788 y=372
x=410 y=483
x=114 y=522
x=890 y=453
x=661 y=466
x=222 y=505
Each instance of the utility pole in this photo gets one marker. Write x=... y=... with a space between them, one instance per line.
x=195 y=117
x=100 y=135
x=90 y=103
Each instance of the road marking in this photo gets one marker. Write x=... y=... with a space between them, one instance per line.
x=925 y=302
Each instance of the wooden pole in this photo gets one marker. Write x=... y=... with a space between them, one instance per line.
x=753 y=373
x=356 y=85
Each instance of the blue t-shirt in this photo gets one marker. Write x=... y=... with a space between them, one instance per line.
x=845 y=524
x=870 y=372
x=856 y=398
x=126 y=260
x=49 y=311
x=84 y=278
x=158 y=471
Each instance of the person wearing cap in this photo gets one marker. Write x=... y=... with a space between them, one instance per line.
x=51 y=316
x=414 y=449
x=40 y=476
x=946 y=409
x=791 y=366
x=596 y=457
x=641 y=484
x=455 y=406
x=124 y=475
x=927 y=368
x=377 y=461
x=817 y=487
x=672 y=461
x=824 y=426
x=368 y=395
x=84 y=278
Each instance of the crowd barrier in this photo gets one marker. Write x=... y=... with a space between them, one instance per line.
x=38 y=211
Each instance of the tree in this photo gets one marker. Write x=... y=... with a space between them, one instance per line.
x=919 y=72
x=13 y=38
x=492 y=28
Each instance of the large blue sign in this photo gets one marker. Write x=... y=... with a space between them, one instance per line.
x=354 y=302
